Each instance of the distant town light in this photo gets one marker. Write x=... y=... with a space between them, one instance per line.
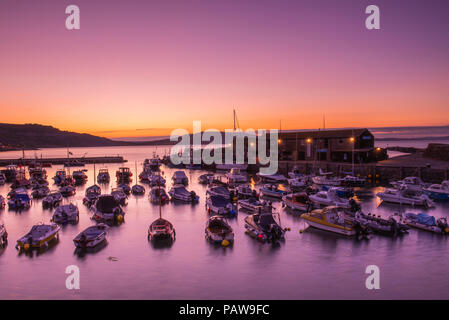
x=279 y=141
x=377 y=149
x=309 y=140
x=352 y=139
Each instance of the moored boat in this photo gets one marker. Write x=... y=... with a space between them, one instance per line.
x=41 y=192
x=103 y=176
x=220 y=205
x=119 y=196
x=438 y=191
x=137 y=190
x=218 y=230
x=219 y=191
x=158 y=195
x=329 y=198
x=234 y=177
x=39 y=236
x=91 y=195
x=272 y=178
x=161 y=229
x=68 y=213
x=19 y=200
x=91 y=236
x=265 y=227
x=2 y=202
x=79 y=177
x=405 y=196
x=107 y=208
x=52 y=200
x=299 y=201
x=426 y=222
x=123 y=175
x=179 y=192
x=3 y=235
x=330 y=219
x=67 y=191
x=179 y=177
x=255 y=205
x=270 y=190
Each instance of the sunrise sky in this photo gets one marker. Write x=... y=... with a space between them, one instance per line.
x=139 y=68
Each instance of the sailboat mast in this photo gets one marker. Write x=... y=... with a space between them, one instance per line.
x=234 y=117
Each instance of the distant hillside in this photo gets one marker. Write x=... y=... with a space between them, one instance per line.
x=39 y=136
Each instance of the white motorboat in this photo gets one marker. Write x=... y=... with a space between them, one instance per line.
x=230 y=166
x=234 y=177
x=412 y=183
x=244 y=191
x=406 y=196
x=300 y=182
x=255 y=205
x=219 y=191
x=107 y=208
x=221 y=206
x=352 y=181
x=218 y=230
x=272 y=178
x=298 y=201
x=330 y=219
x=179 y=192
x=39 y=236
x=179 y=177
x=295 y=173
x=329 y=198
x=91 y=237
x=2 y=178
x=325 y=180
x=438 y=191
x=68 y=213
x=271 y=190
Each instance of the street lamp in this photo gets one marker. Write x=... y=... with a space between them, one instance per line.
x=352 y=140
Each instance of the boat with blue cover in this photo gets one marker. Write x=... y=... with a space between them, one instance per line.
x=342 y=192
x=271 y=190
x=424 y=221
x=220 y=205
x=438 y=191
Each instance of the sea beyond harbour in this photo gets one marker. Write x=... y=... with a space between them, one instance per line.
x=308 y=265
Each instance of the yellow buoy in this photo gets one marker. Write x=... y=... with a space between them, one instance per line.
x=225 y=243
x=446 y=230
x=26 y=246
x=120 y=218
x=300 y=230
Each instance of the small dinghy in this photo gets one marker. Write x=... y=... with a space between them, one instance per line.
x=298 y=201
x=91 y=195
x=389 y=227
x=161 y=229
x=329 y=198
x=138 y=190
x=206 y=178
x=103 y=176
x=158 y=195
x=39 y=236
x=265 y=227
x=119 y=196
x=40 y=193
x=107 y=208
x=2 y=202
x=426 y=222
x=325 y=180
x=68 y=213
x=91 y=237
x=220 y=205
x=219 y=191
x=179 y=192
x=67 y=191
x=273 y=191
x=219 y=231
x=179 y=177
x=52 y=200
x=19 y=200
x=3 y=236
x=255 y=205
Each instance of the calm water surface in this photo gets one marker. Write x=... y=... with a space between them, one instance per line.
x=309 y=265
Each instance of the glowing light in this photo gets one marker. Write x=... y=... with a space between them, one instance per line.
x=377 y=149
x=352 y=139
x=279 y=141
x=309 y=140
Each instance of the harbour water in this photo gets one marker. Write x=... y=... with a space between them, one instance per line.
x=308 y=265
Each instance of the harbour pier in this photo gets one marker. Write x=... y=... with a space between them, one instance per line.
x=56 y=161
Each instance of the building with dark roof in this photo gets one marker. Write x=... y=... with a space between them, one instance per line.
x=338 y=145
